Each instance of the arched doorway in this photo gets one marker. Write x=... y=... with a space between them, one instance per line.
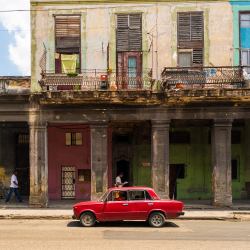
x=123 y=166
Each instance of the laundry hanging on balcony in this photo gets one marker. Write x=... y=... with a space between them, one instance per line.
x=68 y=63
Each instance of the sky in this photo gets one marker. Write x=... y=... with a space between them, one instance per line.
x=14 y=38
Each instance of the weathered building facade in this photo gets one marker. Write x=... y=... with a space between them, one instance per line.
x=14 y=132
x=153 y=90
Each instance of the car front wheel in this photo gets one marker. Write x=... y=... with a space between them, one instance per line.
x=156 y=219
x=88 y=219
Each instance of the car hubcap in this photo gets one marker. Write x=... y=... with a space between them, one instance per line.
x=87 y=220
x=157 y=220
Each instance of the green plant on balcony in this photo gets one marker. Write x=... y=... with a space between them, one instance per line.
x=72 y=74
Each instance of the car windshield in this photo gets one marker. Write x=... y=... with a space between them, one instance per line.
x=104 y=196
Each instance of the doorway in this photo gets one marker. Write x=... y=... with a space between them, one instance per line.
x=22 y=163
x=129 y=65
x=176 y=171
x=68 y=182
x=123 y=166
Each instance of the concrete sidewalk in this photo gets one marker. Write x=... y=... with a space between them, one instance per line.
x=29 y=213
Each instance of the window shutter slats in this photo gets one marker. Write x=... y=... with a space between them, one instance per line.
x=184 y=31
x=122 y=21
x=135 y=21
x=197 y=56
x=122 y=38
x=135 y=40
x=190 y=27
x=190 y=32
x=196 y=27
x=129 y=32
x=67 y=33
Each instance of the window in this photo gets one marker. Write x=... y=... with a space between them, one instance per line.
x=245 y=39
x=234 y=165
x=190 y=32
x=73 y=139
x=117 y=196
x=84 y=175
x=185 y=59
x=139 y=195
x=129 y=49
x=67 y=43
x=129 y=32
x=136 y=195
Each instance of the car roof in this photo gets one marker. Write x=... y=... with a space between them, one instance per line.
x=130 y=188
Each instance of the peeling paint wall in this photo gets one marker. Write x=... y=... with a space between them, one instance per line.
x=159 y=33
x=197 y=158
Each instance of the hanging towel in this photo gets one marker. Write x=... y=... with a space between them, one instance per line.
x=68 y=63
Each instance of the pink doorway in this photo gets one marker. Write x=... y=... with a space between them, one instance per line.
x=69 y=166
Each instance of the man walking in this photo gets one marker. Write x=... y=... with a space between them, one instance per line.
x=13 y=188
x=118 y=181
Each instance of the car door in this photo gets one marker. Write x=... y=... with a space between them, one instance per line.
x=140 y=204
x=116 y=207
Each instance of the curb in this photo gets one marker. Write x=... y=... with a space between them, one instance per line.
x=68 y=217
x=35 y=217
x=234 y=216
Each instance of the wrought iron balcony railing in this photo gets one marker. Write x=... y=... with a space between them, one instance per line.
x=205 y=77
x=95 y=80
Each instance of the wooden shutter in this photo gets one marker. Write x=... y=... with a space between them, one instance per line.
x=190 y=29
x=129 y=32
x=197 y=56
x=190 y=33
x=67 y=33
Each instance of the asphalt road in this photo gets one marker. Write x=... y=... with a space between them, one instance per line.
x=177 y=234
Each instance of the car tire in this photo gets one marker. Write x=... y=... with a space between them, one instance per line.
x=156 y=219
x=88 y=219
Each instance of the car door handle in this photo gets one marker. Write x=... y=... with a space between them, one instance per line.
x=150 y=203
x=125 y=204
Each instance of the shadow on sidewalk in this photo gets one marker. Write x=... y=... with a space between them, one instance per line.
x=125 y=224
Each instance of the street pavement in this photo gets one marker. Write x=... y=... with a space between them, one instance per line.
x=176 y=234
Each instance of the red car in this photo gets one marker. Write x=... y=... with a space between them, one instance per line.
x=128 y=203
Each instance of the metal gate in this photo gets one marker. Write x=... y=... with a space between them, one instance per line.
x=68 y=182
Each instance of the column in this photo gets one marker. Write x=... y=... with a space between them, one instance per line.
x=221 y=163
x=99 y=159
x=246 y=149
x=160 y=157
x=38 y=165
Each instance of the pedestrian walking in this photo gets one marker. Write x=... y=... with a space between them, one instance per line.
x=13 y=188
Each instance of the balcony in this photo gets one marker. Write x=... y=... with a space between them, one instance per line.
x=94 y=80
x=12 y=85
x=226 y=77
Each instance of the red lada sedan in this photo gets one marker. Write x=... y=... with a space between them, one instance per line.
x=128 y=203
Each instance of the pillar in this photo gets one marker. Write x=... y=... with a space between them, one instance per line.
x=99 y=160
x=160 y=157
x=38 y=165
x=221 y=163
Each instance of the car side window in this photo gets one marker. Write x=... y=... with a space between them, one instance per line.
x=117 y=196
x=136 y=195
x=148 y=197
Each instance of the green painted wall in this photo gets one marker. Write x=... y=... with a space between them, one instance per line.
x=141 y=165
x=197 y=158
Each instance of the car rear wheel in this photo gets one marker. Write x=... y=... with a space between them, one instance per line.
x=156 y=219
x=88 y=219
